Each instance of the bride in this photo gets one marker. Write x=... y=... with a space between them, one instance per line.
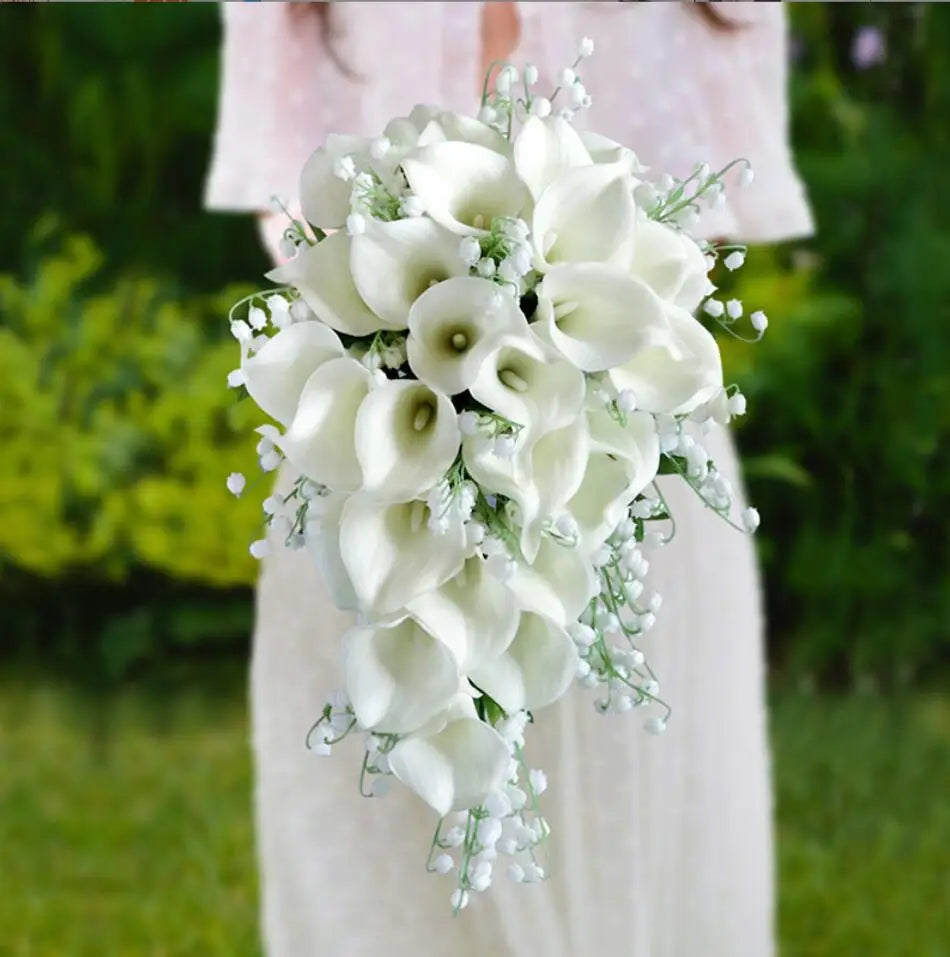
x=661 y=847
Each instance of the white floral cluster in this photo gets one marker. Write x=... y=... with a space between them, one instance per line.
x=482 y=355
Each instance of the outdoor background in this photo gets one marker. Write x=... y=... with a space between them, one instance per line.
x=125 y=584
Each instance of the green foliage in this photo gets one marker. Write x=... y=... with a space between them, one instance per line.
x=849 y=427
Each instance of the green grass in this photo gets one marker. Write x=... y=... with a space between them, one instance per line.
x=125 y=824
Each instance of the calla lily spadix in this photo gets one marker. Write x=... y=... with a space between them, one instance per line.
x=322 y=538
x=456 y=767
x=535 y=670
x=527 y=382
x=474 y=614
x=324 y=197
x=464 y=186
x=545 y=149
x=397 y=676
x=275 y=375
x=392 y=557
x=596 y=316
x=320 y=439
x=392 y=264
x=587 y=214
x=454 y=326
x=407 y=436
x=670 y=263
x=677 y=377
x=321 y=274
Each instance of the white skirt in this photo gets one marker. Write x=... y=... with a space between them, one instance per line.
x=660 y=847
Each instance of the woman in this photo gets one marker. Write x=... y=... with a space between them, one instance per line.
x=661 y=847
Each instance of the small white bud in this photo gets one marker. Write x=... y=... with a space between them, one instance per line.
x=627 y=401
x=516 y=873
x=236 y=483
x=344 y=168
x=586 y=47
x=566 y=526
x=489 y=831
x=734 y=260
x=260 y=548
x=746 y=176
x=257 y=317
x=411 y=207
x=713 y=307
x=539 y=780
x=270 y=460
x=470 y=250
x=235 y=378
x=530 y=74
x=443 y=864
x=566 y=77
x=734 y=308
x=736 y=404
x=541 y=107
x=487 y=114
x=578 y=93
x=459 y=899
x=287 y=247
x=380 y=147
x=486 y=268
x=654 y=725
x=241 y=331
x=751 y=519
x=506 y=78
x=759 y=321
x=300 y=311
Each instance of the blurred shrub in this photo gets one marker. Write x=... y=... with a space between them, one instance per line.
x=848 y=438
x=118 y=431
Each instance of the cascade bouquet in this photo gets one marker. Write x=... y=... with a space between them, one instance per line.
x=481 y=354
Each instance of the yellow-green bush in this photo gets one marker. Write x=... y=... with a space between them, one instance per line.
x=117 y=427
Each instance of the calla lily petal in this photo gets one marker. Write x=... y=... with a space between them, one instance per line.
x=397 y=676
x=535 y=671
x=474 y=614
x=454 y=325
x=455 y=769
x=544 y=149
x=602 y=149
x=559 y=582
x=586 y=215
x=602 y=500
x=392 y=557
x=670 y=263
x=677 y=377
x=467 y=129
x=528 y=383
x=596 y=316
x=321 y=274
x=324 y=197
x=463 y=186
x=322 y=536
x=407 y=436
x=392 y=264
x=275 y=375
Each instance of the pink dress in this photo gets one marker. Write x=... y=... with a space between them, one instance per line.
x=661 y=847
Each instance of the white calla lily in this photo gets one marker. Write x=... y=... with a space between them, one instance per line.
x=587 y=214
x=535 y=670
x=393 y=263
x=676 y=377
x=392 y=557
x=454 y=769
x=557 y=463
x=406 y=438
x=397 y=676
x=527 y=382
x=559 y=582
x=321 y=274
x=670 y=263
x=463 y=186
x=544 y=149
x=320 y=440
x=474 y=614
x=325 y=197
x=598 y=317
x=623 y=460
x=275 y=375
x=602 y=149
x=454 y=326
x=322 y=537
x=456 y=127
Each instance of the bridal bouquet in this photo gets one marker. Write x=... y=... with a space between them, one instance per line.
x=482 y=354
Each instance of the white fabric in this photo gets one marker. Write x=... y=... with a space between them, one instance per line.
x=662 y=846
